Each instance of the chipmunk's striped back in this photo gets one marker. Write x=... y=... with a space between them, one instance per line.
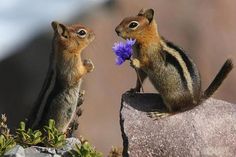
x=174 y=75
x=187 y=69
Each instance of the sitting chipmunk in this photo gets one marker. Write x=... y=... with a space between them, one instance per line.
x=171 y=71
x=59 y=96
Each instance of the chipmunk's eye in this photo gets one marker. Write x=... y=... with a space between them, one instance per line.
x=133 y=25
x=82 y=33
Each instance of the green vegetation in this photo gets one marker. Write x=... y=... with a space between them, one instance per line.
x=84 y=150
x=6 y=139
x=49 y=137
x=29 y=137
x=53 y=137
x=6 y=143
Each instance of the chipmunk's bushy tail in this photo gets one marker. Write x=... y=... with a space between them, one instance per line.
x=222 y=74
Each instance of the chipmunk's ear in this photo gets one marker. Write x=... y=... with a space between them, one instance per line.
x=149 y=13
x=60 y=29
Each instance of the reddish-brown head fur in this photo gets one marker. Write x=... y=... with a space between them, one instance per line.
x=72 y=39
x=142 y=27
x=68 y=43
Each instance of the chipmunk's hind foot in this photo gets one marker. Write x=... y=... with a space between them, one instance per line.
x=158 y=114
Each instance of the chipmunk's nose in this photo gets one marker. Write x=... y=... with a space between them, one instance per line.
x=118 y=30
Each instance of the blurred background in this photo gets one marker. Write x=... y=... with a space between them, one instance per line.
x=205 y=29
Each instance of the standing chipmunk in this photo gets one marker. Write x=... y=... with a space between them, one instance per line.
x=59 y=96
x=171 y=71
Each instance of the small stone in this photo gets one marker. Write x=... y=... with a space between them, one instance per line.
x=46 y=150
x=70 y=143
x=33 y=152
x=37 y=151
x=17 y=151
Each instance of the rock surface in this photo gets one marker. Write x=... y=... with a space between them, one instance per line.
x=207 y=130
x=17 y=151
x=36 y=151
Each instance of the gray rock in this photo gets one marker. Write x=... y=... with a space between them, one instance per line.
x=207 y=130
x=17 y=151
x=70 y=143
x=46 y=150
x=37 y=151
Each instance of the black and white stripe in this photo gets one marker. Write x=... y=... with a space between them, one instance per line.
x=179 y=59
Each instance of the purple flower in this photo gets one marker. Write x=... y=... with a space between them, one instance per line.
x=123 y=51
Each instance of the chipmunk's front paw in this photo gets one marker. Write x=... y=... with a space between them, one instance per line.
x=88 y=65
x=135 y=63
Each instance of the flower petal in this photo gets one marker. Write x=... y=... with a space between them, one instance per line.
x=123 y=51
x=119 y=61
x=130 y=42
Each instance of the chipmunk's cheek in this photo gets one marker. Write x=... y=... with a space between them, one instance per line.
x=62 y=44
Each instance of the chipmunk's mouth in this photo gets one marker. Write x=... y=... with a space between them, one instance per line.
x=121 y=33
x=118 y=33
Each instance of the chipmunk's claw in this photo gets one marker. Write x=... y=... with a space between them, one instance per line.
x=158 y=115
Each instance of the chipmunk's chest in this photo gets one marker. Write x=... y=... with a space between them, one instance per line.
x=70 y=69
x=143 y=56
x=148 y=57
